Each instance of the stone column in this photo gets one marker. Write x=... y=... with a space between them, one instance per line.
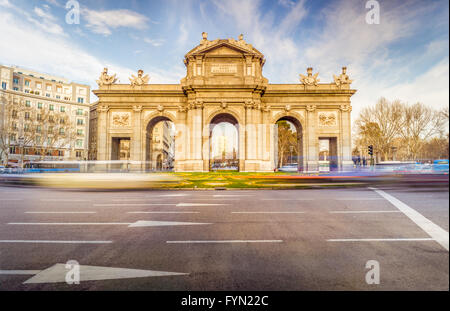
x=136 y=140
x=312 y=164
x=346 y=162
x=180 y=138
x=103 y=153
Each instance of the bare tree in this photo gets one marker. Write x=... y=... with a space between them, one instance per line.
x=419 y=124
x=287 y=139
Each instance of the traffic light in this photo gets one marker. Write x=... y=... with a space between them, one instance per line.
x=370 y=150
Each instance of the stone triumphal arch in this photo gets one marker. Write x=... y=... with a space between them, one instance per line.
x=224 y=81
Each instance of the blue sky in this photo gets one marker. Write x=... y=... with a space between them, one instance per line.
x=404 y=57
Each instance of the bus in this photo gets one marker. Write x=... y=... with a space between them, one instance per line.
x=51 y=167
x=440 y=166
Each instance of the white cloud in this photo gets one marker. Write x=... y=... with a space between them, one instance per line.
x=154 y=42
x=102 y=22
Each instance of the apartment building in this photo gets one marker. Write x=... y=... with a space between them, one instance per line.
x=42 y=117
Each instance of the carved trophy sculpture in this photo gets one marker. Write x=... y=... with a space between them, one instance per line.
x=310 y=79
x=342 y=78
x=106 y=79
x=140 y=79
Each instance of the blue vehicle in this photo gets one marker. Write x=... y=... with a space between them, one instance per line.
x=440 y=166
x=51 y=167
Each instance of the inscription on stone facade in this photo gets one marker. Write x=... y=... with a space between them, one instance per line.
x=327 y=119
x=121 y=119
x=224 y=68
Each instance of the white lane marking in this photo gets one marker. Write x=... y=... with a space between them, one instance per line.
x=287 y=199
x=60 y=212
x=267 y=212
x=145 y=223
x=223 y=241
x=139 y=223
x=433 y=230
x=64 y=200
x=3 y=199
x=19 y=272
x=55 y=242
x=134 y=204
x=200 y=204
x=358 y=199
x=163 y=212
x=380 y=240
x=173 y=195
x=231 y=195
x=362 y=212
x=57 y=274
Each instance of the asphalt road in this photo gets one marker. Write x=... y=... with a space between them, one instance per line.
x=235 y=240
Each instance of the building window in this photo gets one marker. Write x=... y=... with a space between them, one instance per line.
x=13 y=137
x=66 y=98
x=62 y=121
x=62 y=109
x=26 y=127
x=78 y=154
x=80 y=132
x=51 y=107
x=61 y=131
x=12 y=150
x=38 y=128
x=38 y=139
x=47 y=94
x=58 y=97
x=79 y=143
x=27 y=103
x=80 y=100
x=79 y=112
x=59 y=89
x=16 y=80
x=38 y=85
x=37 y=93
x=14 y=113
x=27 y=82
x=4 y=85
x=27 y=91
x=50 y=119
x=14 y=126
x=80 y=122
x=60 y=153
x=27 y=115
x=15 y=88
x=49 y=140
x=39 y=105
x=50 y=129
x=39 y=117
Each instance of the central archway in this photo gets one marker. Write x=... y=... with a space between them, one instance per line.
x=224 y=142
x=159 y=144
x=290 y=154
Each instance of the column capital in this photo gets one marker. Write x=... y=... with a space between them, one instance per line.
x=345 y=108
x=137 y=108
x=103 y=108
x=311 y=108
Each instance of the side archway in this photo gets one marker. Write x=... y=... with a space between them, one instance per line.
x=159 y=147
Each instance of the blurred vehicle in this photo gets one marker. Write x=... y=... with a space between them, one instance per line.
x=52 y=167
x=289 y=168
x=395 y=166
x=440 y=166
x=2 y=169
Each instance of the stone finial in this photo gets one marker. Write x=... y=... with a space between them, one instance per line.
x=205 y=35
x=241 y=37
x=309 y=79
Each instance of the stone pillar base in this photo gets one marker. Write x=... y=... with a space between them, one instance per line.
x=190 y=166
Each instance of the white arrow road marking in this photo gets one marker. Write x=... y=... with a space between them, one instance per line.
x=60 y=212
x=55 y=242
x=200 y=204
x=433 y=230
x=139 y=223
x=57 y=274
x=223 y=241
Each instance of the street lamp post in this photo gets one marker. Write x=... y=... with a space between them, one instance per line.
x=291 y=148
x=21 y=144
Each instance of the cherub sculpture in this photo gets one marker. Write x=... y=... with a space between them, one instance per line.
x=342 y=78
x=105 y=79
x=310 y=79
x=140 y=79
